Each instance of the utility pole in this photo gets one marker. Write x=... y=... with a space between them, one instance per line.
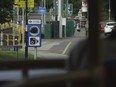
x=44 y=14
x=66 y=8
x=26 y=33
x=60 y=17
x=23 y=14
x=109 y=10
x=13 y=21
x=55 y=9
x=25 y=68
x=42 y=5
x=17 y=17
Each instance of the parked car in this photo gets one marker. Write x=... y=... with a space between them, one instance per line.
x=113 y=32
x=108 y=27
x=101 y=27
x=114 y=28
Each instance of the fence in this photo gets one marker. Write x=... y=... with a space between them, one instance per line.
x=8 y=39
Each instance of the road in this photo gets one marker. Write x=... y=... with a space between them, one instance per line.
x=51 y=48
x=57 y=48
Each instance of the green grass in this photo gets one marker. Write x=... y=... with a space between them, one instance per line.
x=13 y=55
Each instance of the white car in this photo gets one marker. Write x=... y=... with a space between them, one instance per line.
x=108 y=27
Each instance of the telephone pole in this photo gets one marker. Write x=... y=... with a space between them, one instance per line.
x=60 y=17
x=44 y=14
x=66 y=8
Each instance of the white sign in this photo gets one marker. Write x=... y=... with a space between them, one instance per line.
x=64 y=21
x=34 y=41
x=30 y=21
x=34 y=33
x=84 y=9
x=84 y=6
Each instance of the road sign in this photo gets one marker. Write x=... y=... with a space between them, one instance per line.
x=21 y=3
x=42 y=10
x=16 y=3
x=34 y=33
x=70 y=9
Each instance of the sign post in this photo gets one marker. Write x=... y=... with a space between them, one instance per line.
x=35 y=55
x=42 y=12
x=34 y=34
x=21 y=3
x=25 y=4
x=26 y=33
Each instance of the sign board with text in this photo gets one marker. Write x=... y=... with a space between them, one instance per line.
x=42 y=10
x=69 y=8
x=21 y=3
x=34 y=33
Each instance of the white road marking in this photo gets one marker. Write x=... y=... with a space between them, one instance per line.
x=48 y=46
x=66 y=48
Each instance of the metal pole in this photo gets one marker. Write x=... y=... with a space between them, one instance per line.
x=109 y=10
x=1 y=37
x=60 y=18
x=35 y=55
x=66 y=8
x=44 y=14
x=26 y=33
x=13 y=21
x=54 y=9
x=25 y=68
x=23 y=14
x=17 y=17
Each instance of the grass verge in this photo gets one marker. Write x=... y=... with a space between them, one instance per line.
x=13 y=55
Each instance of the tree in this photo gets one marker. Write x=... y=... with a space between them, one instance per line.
x=6 y=7
x=5 y=10
x=76 y=5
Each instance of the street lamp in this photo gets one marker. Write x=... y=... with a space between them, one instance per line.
x=109 y=10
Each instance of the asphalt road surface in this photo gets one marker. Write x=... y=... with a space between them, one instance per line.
x=54 y=48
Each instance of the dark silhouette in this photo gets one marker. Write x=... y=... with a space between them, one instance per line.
x=78 y=59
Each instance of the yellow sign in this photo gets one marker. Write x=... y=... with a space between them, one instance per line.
x=16 y=3
x=21 y=3
x=10 y=41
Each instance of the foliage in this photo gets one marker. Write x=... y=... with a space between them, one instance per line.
x=76 y=5
x=105 y=10
x=5 y=10
x=12 y=55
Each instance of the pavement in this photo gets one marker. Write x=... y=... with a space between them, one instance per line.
x=44 y=52
x=52 y=48
x=46 y=55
